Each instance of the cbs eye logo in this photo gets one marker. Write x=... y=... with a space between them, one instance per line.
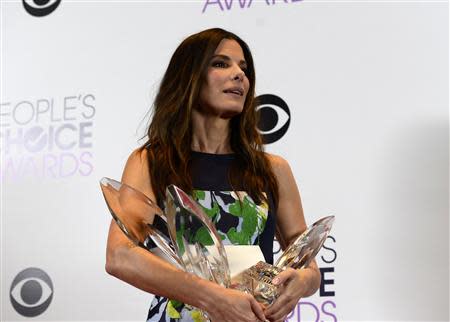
x=31 y=292
x=40 y=8
x=274 y=117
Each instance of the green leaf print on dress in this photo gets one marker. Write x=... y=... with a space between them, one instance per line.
x=211 y=209
x=202 y=235
x=253 y=219
x=172 y=309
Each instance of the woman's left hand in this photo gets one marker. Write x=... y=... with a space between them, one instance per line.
x=292 y=289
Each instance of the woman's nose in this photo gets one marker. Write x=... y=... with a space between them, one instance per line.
x=238 y=75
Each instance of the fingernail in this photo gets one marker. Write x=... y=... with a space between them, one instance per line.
x=276 y=280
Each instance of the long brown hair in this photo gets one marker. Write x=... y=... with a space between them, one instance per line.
x=170 y=131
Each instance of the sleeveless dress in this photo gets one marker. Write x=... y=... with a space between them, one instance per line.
x=249 y=224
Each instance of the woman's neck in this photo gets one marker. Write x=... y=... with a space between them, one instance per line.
x=210 y=134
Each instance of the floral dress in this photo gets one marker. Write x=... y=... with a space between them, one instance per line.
x=237 y=218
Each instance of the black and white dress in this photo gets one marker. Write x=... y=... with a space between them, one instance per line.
x=249 y=224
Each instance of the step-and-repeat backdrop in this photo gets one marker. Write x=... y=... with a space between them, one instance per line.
x=356 y=99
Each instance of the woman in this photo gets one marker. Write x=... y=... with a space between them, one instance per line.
x=203 y=138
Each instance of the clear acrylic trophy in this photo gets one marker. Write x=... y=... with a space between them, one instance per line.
x=257 y=280
x=144 y=222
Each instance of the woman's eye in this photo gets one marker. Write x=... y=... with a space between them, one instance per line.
x=220 y=64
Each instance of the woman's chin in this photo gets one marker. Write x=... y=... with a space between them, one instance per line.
x=228 y=114
x=224 y=112
x=230 y=111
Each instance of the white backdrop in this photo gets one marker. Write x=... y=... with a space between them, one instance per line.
x=366 y=83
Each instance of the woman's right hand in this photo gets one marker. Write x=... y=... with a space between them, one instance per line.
x=235 y=306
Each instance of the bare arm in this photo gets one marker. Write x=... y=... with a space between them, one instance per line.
x=147 y=272
x=290 y=224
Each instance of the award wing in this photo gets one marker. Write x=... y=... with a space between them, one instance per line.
x=196 y=239
x=136 y=215
x=307 y=245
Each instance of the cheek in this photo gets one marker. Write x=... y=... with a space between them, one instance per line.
x=217 y=77
x=204 y=94
x=247 y=84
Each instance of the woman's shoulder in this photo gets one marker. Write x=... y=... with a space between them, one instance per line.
x=278 y=164
x=138 y=156
x=136 y=173
x=285 y=177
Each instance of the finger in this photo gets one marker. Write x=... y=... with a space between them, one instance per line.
x=257 y=309
x=284 y=276
x=263 y=306
x=277 y=306
x=282 y=319
x=280 y=315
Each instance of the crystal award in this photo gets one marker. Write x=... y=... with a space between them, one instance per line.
x=193 y=244
x=205 y=257
x=257 y=280
x=137 y=215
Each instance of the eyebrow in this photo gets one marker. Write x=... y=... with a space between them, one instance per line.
x=242 y=62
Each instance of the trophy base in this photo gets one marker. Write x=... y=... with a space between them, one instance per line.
x=257 y=281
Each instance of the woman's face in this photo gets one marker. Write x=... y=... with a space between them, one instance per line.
x=226 y=85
